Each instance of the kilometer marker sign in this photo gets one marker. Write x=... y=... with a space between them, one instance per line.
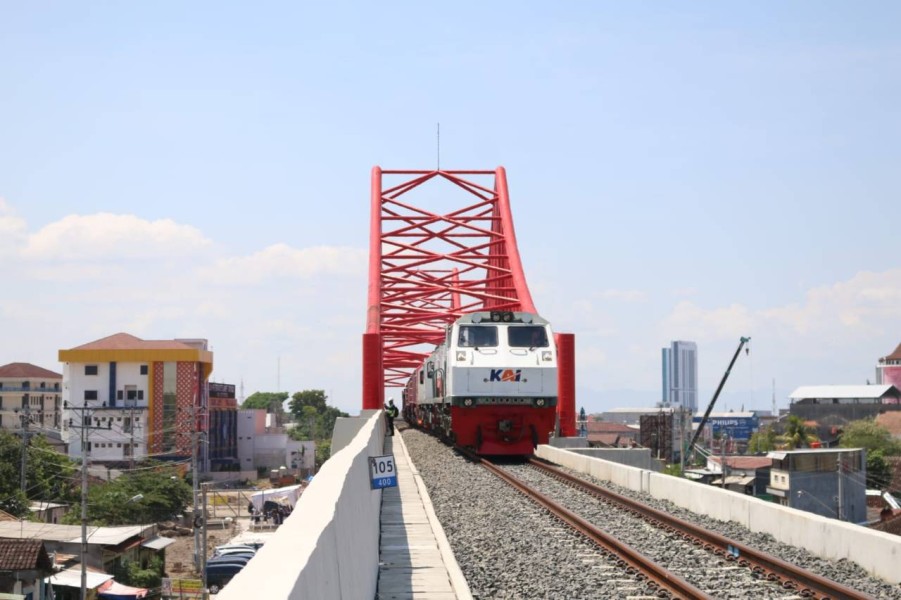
x=382 y=471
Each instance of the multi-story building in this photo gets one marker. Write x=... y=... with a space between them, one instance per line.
x=32 y=393
x=134 y=398
x=223 y=428
x=888 y=369
x=833 y=406
x=680 y=376
x=831 y=483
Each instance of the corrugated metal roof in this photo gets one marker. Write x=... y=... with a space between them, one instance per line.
x=72 y=578
x=840 y=391
x=158 y=543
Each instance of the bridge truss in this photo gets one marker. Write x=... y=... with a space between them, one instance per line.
x=427 y=268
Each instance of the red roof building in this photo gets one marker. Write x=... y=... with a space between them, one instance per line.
x=30 y=392
x=611 y=435
x=888 y=369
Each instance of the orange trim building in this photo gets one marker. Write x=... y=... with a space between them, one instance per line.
x=151 y=395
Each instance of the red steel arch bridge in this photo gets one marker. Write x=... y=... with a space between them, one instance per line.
x=427 y=268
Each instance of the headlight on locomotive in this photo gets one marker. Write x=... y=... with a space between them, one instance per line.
x=467 y=402
x=540 y=402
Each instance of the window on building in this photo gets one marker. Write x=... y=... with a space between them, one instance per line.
x=90 y=394
x=140 y=394
x=90 y=369
x=118 y=394
x=131 y=394
x=143 y=369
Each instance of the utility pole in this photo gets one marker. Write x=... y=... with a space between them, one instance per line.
x=131 y=446
x=84 y=426
x=203 y=554
x=26 y=417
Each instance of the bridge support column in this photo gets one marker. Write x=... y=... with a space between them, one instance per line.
x=373 y=372
x=566 y=383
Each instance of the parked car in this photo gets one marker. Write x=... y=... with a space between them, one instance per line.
x=233 y=549
x=219 y=573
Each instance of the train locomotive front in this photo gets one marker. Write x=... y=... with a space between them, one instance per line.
x=490 y=386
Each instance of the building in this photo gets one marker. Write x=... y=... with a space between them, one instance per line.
x=745 y=474
x=261 y=445
x=223 y=427
x=836 y=405
x=23 y=565
x=888 y=369
x=135 y=397
x=680 y=376
x=33 y=393
x=603 y=434
x=828 y=482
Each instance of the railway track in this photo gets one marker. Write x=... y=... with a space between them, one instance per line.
x=660 y=579
x=696 y=563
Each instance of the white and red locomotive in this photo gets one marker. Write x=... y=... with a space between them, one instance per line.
x=491 y=385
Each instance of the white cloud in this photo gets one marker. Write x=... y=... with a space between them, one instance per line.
x=622 y=295
x=690 y=321
x=282 y=261
x=107 y=236
x=12 y=229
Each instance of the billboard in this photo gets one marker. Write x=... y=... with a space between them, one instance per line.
x=735 y=428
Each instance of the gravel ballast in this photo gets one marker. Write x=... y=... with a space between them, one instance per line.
x=508 y=547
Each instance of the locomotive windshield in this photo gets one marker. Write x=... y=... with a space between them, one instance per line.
x=477 y=336
x=527 y=336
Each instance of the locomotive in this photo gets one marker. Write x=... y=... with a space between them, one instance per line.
x=491 y=385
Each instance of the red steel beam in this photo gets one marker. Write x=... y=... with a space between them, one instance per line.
x=426 y=268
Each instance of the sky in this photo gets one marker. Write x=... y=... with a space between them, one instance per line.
x=695 y=171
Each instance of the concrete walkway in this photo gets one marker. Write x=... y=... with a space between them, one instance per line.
x=415 y=559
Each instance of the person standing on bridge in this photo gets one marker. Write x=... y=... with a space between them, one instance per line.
x=390 y=414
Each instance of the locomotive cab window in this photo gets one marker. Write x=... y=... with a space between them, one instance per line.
x=527 y=336
x=477 y=336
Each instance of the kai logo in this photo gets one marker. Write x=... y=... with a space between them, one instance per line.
x=505 y=375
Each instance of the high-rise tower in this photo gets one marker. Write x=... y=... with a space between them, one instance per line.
x=680 y=376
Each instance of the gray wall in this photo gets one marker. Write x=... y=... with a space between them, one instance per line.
x=631 y=457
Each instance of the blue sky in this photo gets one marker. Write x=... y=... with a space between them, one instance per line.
x=677 y=171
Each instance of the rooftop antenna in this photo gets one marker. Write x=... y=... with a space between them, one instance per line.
x=438 y=147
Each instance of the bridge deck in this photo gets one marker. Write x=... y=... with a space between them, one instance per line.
x=415 y=561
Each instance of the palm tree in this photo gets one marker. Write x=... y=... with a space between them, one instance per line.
x=797 y=434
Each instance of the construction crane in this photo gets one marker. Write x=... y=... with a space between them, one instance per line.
x=716 y=394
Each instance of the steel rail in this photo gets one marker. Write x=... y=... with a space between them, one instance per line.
x=803 y=582
x=656 y=574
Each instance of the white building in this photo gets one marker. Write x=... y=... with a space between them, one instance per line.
x=32 y=393
x=680 y=376
x=262 y=446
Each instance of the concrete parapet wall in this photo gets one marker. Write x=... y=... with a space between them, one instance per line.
x=633 y=457
x=329 y=546
x=877 y=552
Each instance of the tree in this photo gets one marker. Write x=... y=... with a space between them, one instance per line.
x=313 y=398
x=879 y=472
x=143 y=496
x=49 y=474
x=762 y=441
x=797 y=434
x=269 y=401
x=868 y=434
